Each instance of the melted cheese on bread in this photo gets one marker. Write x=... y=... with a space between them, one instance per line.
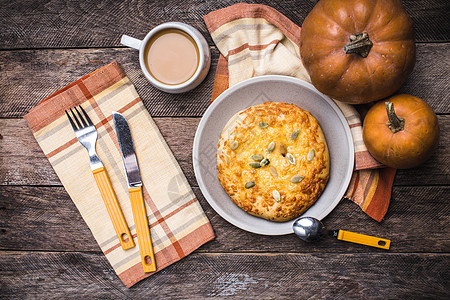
x=249 y=133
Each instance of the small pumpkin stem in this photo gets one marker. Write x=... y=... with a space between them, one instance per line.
x=359 y=44
x=395 y=123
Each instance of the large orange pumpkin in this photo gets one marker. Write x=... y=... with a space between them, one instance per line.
x=402 y=132
x=358 y=51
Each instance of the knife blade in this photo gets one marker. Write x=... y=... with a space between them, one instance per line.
x=133 y=175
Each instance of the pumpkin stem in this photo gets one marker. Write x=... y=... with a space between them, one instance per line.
x=359 y=44
x=395 y=123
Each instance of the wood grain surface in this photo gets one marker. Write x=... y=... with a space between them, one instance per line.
x=82 y=24
x=18 y=146
x=48 y=252
x=45 y=219
x=46 y=71
x=75 y=275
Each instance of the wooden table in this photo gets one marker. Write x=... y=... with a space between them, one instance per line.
x=47 y=251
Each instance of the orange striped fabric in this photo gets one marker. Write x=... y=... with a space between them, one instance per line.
x=256 y=40
x=177 y=222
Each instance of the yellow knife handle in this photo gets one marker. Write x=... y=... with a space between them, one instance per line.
x=363 y=239
x=114 y=211
x=142 y=229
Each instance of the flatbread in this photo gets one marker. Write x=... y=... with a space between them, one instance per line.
x=249 y=133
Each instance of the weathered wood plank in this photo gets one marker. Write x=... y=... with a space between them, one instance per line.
x=27 y=77
x=44 y=218
x=70 y=24
x=430 y=78
x=251 y=276
x=25 y=164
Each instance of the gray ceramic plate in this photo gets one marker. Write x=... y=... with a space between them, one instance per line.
x=259 y=90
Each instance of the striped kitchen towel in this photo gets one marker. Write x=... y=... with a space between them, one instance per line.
x=177 y=222
x=256 y=40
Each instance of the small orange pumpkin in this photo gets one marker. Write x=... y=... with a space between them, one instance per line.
x=402 y=132
x=358 y=51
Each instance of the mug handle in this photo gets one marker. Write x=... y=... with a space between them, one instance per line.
x=131 y=42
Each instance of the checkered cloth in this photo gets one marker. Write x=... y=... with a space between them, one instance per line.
x=177 y=221
x=256 y=40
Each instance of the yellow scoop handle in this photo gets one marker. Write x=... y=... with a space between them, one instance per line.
x=363 y=239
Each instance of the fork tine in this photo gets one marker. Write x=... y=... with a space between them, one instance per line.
x=71 y=121
x=76 y=119
x=87 y=117
x=81 y=117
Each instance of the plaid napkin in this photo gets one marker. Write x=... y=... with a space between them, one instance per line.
x=256 y=40
x=177 y=221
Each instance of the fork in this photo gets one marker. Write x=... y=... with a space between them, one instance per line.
x=86 y=134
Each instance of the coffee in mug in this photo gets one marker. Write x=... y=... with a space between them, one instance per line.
x=171 y=56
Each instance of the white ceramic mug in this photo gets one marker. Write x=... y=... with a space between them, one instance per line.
x=204 y=56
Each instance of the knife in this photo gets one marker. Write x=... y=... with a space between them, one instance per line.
x=135 y=190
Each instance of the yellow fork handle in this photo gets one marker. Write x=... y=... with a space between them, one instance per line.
x=142 y=229
x=363 y=239
x=114 y=211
